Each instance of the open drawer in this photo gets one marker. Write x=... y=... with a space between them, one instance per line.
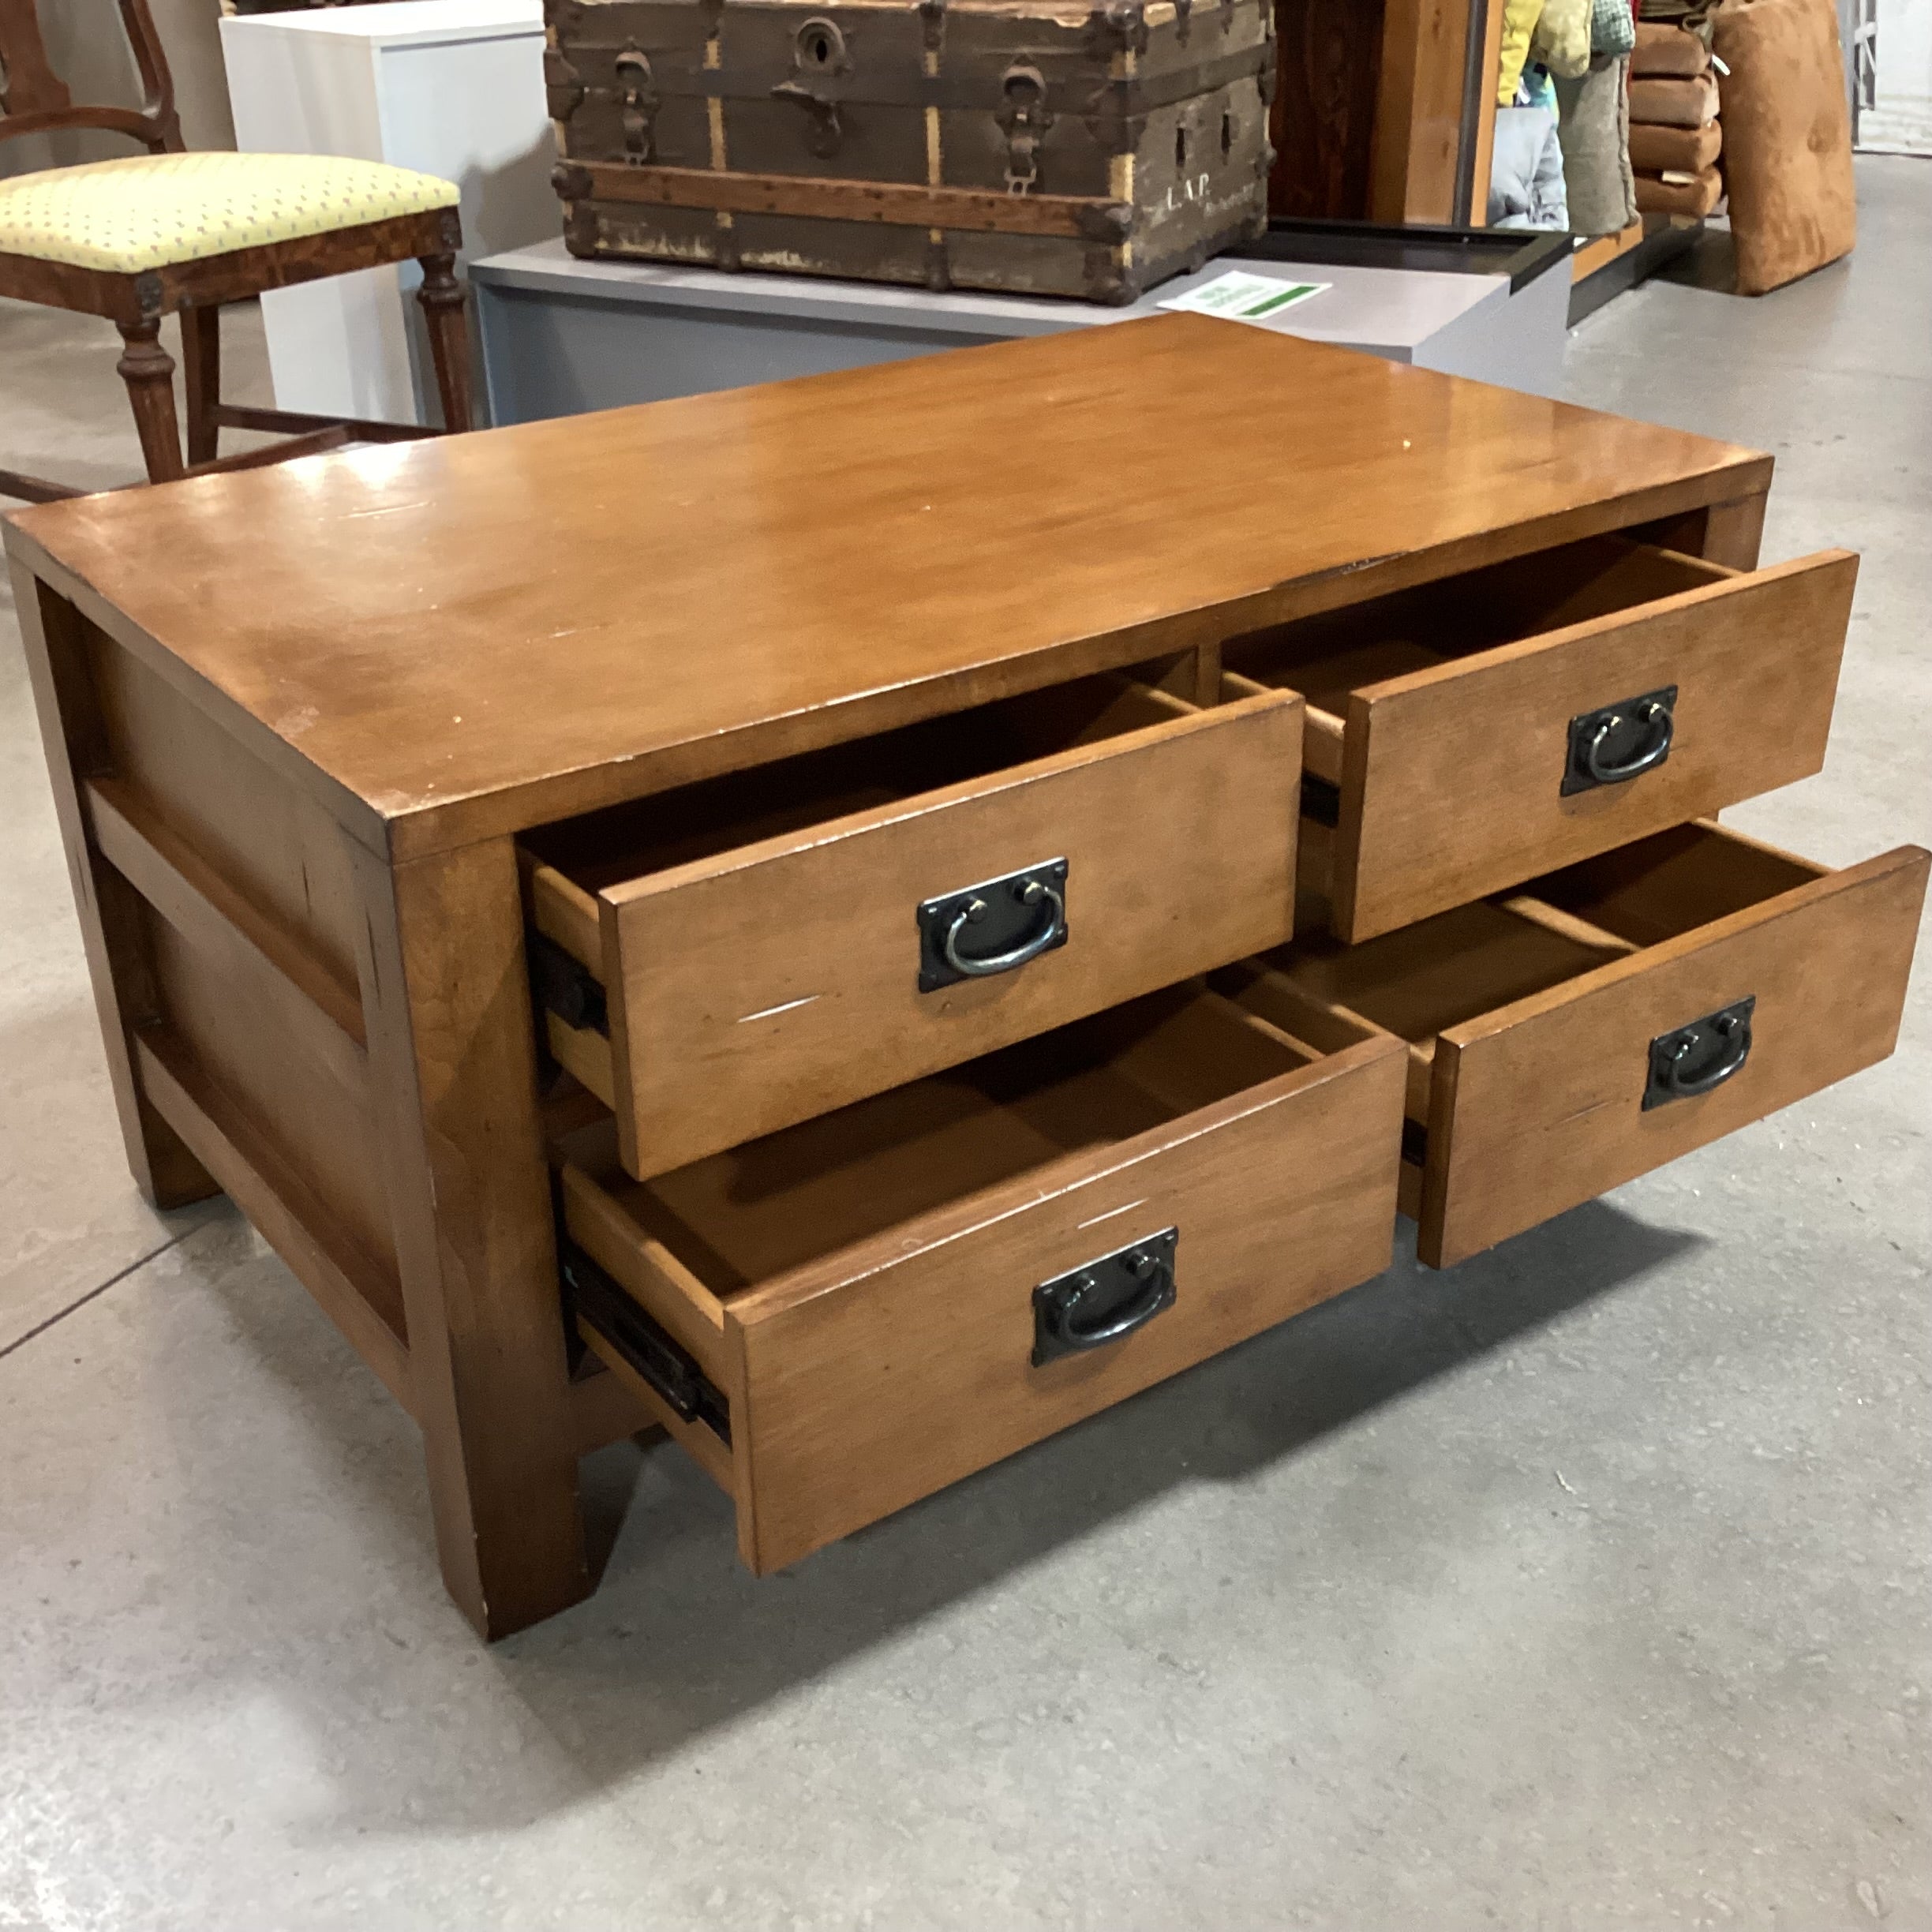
x=1613 y=1015
x=727 y=959
x=845 y=1317
x=1468 y=734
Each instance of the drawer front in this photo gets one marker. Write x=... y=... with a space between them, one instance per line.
x=1453 y=779
x=916 y=1368
x=785 y=980
x=1541 y=1105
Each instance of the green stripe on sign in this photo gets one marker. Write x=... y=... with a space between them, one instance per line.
x=1281 y=300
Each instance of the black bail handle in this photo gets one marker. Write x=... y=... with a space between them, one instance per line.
x=1699 y=1058
x=1106 y=1301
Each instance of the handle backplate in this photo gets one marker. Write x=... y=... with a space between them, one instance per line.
x=1104 y=1301
x=1620 y=742
x=1692 y=1060
x=994 y=927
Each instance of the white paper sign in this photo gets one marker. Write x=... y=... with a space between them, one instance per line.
x=1245 y=297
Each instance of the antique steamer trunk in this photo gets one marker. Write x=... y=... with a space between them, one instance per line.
x=976 y=143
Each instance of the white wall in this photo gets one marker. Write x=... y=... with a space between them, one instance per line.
x=1899 y=121
x=88 y=48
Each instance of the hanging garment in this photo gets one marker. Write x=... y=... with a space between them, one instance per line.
x=1612 y=31
x=1537 y=90
x=1595 y=132
x=1562 y=39
x=1519 y=19
x=1526 y=175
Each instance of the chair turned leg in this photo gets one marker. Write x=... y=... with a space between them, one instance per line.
x=442 y=298
x=149 y=371
x=201 y=366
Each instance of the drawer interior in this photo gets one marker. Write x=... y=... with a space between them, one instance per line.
x=1419 y=981
x=737 y=1220
x=1326 y=657
x=695 y=822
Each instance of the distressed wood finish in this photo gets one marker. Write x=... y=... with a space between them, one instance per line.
x=1450 y=765
x=1003 y=145
x=778 y=979
x=870 y=1307
x=1530 y=1037
x=579 y=690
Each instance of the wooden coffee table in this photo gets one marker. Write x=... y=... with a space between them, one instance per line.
x=832 y=851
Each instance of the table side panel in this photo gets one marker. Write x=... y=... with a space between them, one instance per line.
x=270 y=842
x=301 y=1082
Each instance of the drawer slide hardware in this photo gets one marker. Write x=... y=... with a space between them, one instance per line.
x=565 y=986
x=1104 y=1301
x=994 y=927
x=595 y=1298
x=1694 y=1059
x=1620 y=742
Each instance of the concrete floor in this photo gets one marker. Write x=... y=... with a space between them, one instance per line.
x=1585 y=1585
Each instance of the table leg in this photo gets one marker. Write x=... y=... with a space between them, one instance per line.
x=453 y=1062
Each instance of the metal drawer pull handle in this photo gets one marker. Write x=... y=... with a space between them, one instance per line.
x=1032 y=894
x=1702 y=1056
x=1654 y=717
x=1021 y=915
x=1092 y=1307
x=1658 y=722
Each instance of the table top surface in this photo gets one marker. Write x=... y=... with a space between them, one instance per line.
x=454 y=639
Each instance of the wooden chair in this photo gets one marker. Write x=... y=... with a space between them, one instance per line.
x=146 y=236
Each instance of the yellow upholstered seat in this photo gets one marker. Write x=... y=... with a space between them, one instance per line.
x=158 y=211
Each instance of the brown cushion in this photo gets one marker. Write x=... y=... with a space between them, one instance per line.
x=1787 y=140
x=1675 y=104
x=1662 y=51
x=1697 y=195
x=1653 y=149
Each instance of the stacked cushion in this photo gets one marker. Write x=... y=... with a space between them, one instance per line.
x=1674 y=137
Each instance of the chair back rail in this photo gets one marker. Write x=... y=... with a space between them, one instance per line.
x=34 y=100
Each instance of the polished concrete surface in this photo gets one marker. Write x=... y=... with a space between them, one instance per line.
x=1585 y=1585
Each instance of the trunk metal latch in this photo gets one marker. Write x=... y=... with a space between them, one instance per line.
x=1024 y=119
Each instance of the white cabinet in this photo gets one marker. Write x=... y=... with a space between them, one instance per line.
x=453 y=88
